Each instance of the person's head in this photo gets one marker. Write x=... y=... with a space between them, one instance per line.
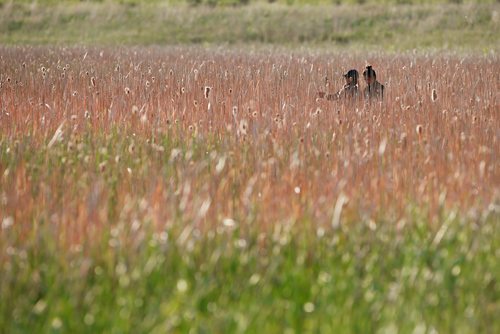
x=351 y=77
x=369 y=75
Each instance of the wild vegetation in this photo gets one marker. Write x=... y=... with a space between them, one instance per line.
x=246 y=2
x=170 y=189
x=468 y=27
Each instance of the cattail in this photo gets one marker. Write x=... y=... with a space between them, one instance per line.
x=434 y=95
x=131 y=148
x=419 y=129
x=135 y=109
x=316 y=112
x=207 y=92
x=243 y=127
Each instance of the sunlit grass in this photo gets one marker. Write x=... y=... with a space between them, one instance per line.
x=163 y=190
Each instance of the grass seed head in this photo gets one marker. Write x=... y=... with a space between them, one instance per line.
x=135 y=110
x=243 y=127
x=434 y=95
x=419 y=129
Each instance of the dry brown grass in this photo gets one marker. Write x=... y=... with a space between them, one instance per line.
x=151 y=141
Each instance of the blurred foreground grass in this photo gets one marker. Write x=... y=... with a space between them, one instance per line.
x=467 y=26
x=119 y=275
x=354 y=280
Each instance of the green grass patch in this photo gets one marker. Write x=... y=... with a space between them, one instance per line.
x=352 y=280
x=365 y=27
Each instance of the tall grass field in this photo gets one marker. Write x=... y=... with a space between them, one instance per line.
x=206 y=190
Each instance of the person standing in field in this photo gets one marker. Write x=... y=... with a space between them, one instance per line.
x=374 y=89
x=349 y=91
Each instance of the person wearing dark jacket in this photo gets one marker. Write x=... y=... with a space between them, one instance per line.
x=374 y=89
x=349 y=91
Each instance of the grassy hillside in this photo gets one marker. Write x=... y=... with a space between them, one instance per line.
x=387 y=27
x=245 y=2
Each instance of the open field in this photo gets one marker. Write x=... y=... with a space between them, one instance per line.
x=468 y=27
x=134 y=199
